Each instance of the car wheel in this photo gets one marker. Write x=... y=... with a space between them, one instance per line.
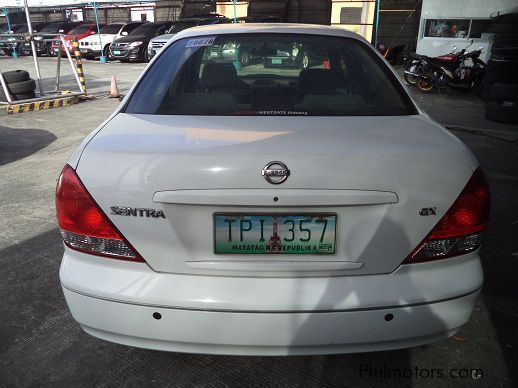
x=50 y=52
x=106 y=52
x=146 y=56
x=15 y=76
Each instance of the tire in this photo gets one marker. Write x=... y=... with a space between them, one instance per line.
x=424 y=85
x=506 y=38
x=15 y=76
x=502 y=66
x=25 y=52
x=494 y=78
x=504 y=53
x=504 y=92
x=23 y=87
x=145 y=56
x=106 y=52
x=17 y=97
x=51 y=52
x=410 y=79
x=511 y=18
x=486 y=91
x=504 y=28
x=502 y=114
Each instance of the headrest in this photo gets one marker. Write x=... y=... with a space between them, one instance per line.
x=319 y=81
x=218 y=76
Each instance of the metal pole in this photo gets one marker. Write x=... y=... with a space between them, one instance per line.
x=72 y=64
x=237 y=65
x=33 y=47
x=7 y=19
x=377 y=23
x=95 y=6
x=58 y=67
x=14 y=53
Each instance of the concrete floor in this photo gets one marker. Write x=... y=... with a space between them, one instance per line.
x=41 y=345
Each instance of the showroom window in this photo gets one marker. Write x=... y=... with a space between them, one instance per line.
x=455 y=28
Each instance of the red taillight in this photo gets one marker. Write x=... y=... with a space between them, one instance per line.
x=83 y=224
x=459 y=230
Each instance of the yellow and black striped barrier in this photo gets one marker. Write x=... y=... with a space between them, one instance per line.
x=79 y=65
x=41 y=105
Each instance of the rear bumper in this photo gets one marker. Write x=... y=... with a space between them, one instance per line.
x=116 y=300
x=225 y=332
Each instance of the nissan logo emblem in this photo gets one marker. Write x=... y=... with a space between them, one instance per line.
x=275 y=172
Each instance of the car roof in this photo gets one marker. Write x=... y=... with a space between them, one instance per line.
x=275 y=28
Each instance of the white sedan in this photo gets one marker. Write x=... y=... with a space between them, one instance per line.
x=282 y=208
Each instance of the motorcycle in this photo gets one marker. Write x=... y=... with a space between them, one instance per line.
x=452 y=71
x=414 y=65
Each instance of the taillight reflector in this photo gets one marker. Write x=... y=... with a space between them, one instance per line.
x=84 y=226
x=459 y=230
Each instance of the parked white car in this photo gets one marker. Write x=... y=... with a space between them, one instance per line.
x=156 y=44
x=90 y=47
x=269 y=209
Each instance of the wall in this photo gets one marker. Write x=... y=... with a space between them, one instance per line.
x=399 y=23
x=457 y=9
x=362 y=22
x=226 y=8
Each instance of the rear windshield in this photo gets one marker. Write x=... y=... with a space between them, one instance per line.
x=111 y=29
x=180 y=26
x=270 y=75
x=20 y=28
x=53 y=27
x=145 y=29
x=81 y=29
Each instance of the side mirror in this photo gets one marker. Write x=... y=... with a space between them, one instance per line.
x=124 y=33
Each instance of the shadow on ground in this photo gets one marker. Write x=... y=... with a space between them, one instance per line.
x=17 y=143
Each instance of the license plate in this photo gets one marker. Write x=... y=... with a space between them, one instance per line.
x=276 y=61
x=274 y=233
x=116 y=52
x=83 y=50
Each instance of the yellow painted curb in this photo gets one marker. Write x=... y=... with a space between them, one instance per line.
x=41 y=105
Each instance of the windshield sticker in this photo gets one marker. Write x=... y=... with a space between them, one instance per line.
x=201 y=42
x=281 y=113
